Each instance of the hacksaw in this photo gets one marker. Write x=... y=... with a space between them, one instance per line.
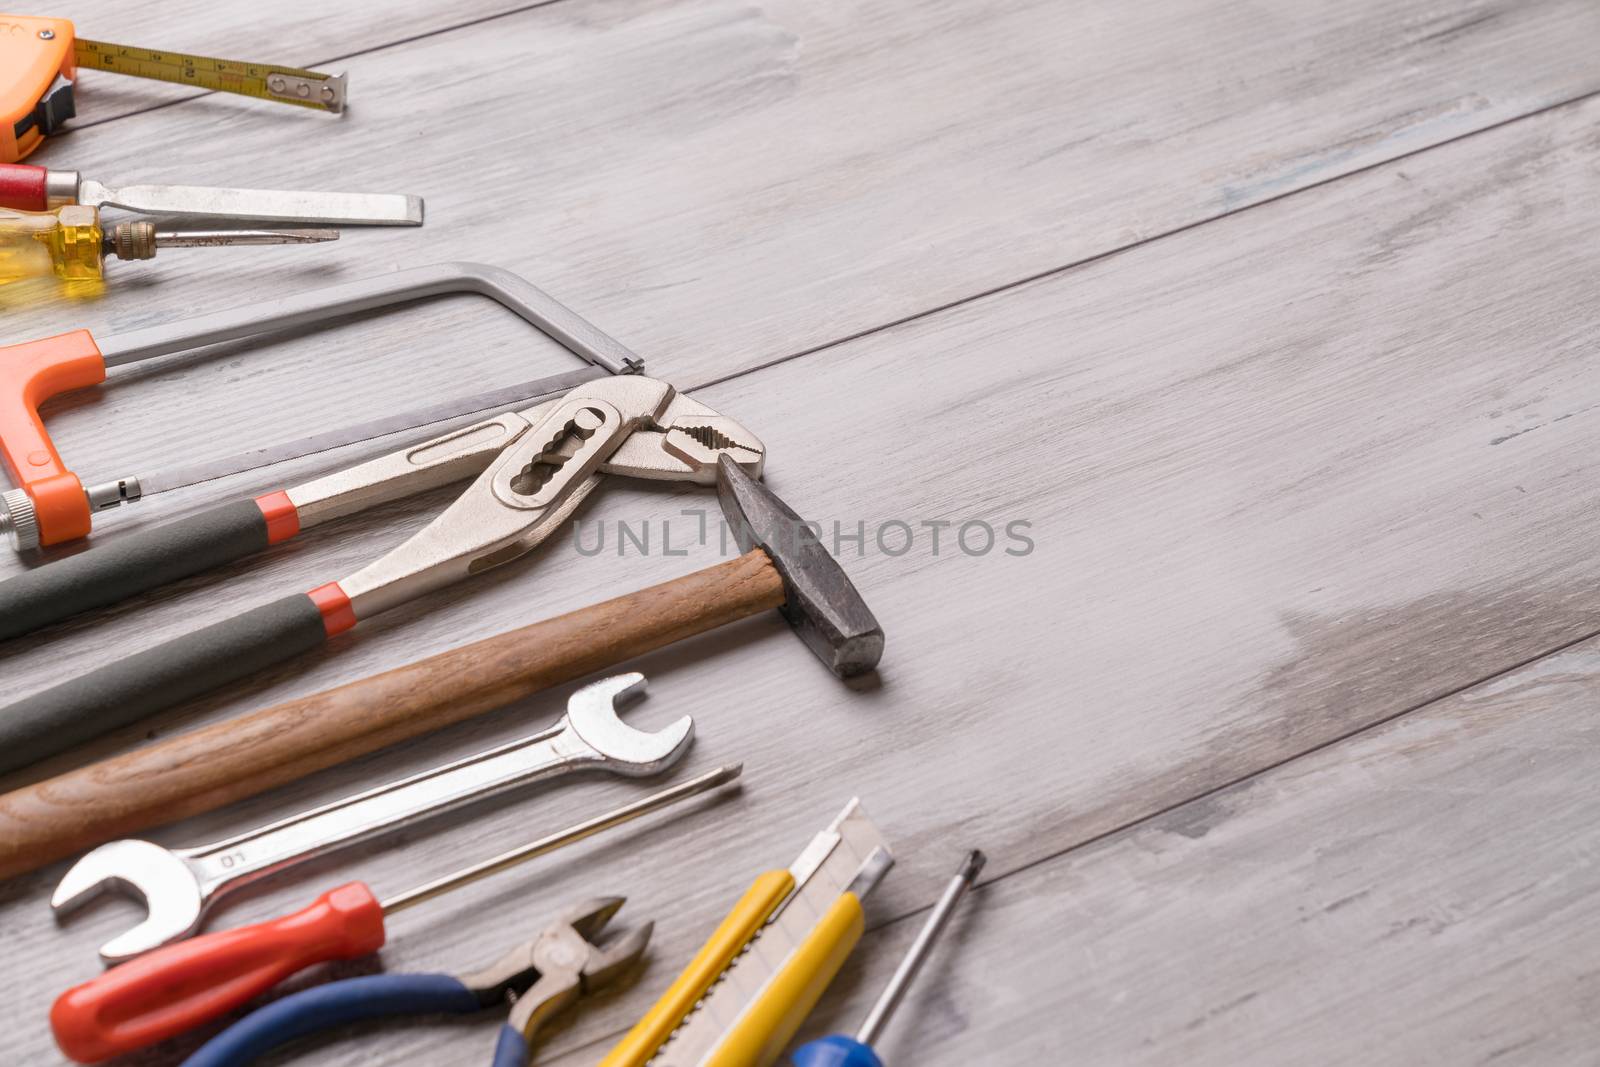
x=51 y=505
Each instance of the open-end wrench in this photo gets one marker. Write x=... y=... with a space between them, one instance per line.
x=180 y=886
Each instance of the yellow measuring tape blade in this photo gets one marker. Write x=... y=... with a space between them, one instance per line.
x=265 y=81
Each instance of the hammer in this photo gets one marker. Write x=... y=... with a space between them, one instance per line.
x=782 y=567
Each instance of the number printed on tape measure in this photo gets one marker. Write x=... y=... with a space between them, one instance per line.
x=221 y=75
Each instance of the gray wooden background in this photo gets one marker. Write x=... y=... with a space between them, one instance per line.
x=1275 y=319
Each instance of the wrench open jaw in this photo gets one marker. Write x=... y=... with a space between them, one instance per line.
x=171 y=889
x=180 y=886
x=592 y=718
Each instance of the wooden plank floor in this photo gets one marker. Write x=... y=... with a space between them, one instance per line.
x=1273 y=320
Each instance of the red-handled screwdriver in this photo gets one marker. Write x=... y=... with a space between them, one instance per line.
x=173 y=989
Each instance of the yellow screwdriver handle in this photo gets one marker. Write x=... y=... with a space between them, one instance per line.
x=730 y=938
x=67 y=242
x=758 y=1038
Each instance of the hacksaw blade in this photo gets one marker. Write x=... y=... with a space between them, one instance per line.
x=436 y=419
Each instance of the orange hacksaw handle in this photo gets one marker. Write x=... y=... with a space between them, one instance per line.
x=30 y=374
x=29 y=65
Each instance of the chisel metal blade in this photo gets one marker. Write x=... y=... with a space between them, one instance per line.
x=257 y=205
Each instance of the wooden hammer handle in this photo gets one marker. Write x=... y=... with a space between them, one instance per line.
x=218 y=764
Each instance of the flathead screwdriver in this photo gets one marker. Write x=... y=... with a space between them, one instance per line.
x=182 y=985
x=71 y=244
x=839 y=1050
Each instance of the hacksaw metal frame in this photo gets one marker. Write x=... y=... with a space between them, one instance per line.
x=26 y=381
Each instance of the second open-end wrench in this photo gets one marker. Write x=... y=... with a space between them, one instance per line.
x=180 y=886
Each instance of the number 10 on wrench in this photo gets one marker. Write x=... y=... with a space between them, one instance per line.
x=180 y=886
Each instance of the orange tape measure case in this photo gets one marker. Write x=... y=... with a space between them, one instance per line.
x=37 y=68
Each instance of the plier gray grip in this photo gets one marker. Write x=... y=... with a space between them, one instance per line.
x=533 y=469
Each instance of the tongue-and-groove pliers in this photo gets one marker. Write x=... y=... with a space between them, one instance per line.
x=540 y=977
x=534 y=468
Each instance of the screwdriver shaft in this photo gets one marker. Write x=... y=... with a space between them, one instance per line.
x=212 y=238
x=571 y=835
x=259 y=205
x=901 y=980
x=182 y=985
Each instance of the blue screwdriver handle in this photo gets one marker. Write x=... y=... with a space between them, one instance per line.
x=835 y=1050
x=323 y=1007
x=512 y=1048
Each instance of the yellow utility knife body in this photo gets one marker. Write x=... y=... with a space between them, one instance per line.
x=749 y=988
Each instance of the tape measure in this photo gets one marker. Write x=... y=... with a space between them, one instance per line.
x=40 y=57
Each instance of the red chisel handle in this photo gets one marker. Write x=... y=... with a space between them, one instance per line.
x=176 y=988
x=23 y=187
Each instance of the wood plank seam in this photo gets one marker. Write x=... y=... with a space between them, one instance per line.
x=1284 y=759
x=982 y=294
x=1038 y=276
x=1043 y=275
x=1098 y=257
x=315 y=63
x=1152 y=818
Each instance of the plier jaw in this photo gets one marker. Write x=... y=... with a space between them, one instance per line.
x=564 y=963
x=541 y=976
x=532 y=482
x=684 y=443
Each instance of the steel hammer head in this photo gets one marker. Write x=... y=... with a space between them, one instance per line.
x=820 y=601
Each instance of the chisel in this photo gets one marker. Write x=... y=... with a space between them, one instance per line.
x=25 y=187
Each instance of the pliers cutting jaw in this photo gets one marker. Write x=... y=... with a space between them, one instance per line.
x=570 y=965
x=541 y=976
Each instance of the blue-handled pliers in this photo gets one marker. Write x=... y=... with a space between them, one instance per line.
x=540 y=977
